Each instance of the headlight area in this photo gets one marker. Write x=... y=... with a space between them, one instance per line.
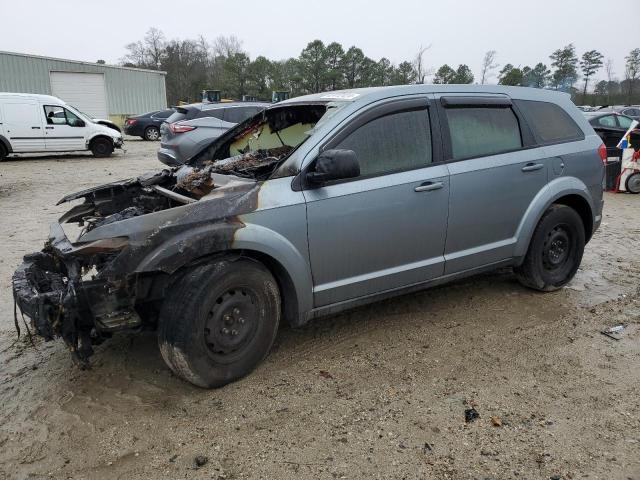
x=63 y=293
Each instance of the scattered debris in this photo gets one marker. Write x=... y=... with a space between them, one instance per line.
x=427 y=448
x=200 y=461
x=496 y=421
x=325 y=374
x=173 y=458
x=471 y=415
x=614 y=333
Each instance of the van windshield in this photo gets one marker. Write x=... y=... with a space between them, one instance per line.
x=81 y=114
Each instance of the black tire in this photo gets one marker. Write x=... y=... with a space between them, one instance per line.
x=632 y=184
x=101 y=147
x=3 y=152
x=555 y=251
x=219 y=321
x=151 y=134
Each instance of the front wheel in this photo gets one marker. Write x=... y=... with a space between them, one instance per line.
x=632 y=184
x=555 y=251
x=219 y=321
x=101 y=147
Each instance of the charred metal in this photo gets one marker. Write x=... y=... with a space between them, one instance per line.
x=137 y=234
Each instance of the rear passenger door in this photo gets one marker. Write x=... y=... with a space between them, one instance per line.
x=494 y=176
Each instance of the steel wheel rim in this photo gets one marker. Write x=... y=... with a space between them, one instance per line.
x=557 y=249
x=231 y=324
x=633 y=184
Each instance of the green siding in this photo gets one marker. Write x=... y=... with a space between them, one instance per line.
x=130 y=91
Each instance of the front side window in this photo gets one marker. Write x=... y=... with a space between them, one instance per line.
x=57 y=115
x=482 y=131
x=239 y=114
x=395 y=142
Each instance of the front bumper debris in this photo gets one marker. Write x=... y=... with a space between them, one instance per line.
x=49 y=288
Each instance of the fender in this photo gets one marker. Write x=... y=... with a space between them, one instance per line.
x=205 y=240
x=7 y=144
x=557 y=188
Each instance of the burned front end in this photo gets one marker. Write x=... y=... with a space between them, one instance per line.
x=137 y=234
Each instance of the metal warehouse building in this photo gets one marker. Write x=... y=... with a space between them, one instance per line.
x=102 y=91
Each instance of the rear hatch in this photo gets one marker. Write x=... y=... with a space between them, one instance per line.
x=186 y=112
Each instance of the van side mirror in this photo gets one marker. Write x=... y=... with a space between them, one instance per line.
x=77 y=123
x=334 y=165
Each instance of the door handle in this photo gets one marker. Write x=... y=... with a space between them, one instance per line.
x=532 y=167
x=49 y=128
x=429 y=186
x=35 y=128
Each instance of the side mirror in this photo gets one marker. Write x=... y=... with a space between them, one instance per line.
x=334 y=165
x=77 y=123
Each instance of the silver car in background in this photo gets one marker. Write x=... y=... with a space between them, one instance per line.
x=192 y=127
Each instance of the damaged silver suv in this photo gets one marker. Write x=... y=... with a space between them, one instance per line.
x=315 y=205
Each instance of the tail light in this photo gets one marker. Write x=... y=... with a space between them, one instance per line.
x=180 y=128
x=130 y=121
x=602 y=150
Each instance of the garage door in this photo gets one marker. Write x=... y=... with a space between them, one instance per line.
x=85 y=91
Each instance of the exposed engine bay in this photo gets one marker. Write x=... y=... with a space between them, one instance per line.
x=86 y=290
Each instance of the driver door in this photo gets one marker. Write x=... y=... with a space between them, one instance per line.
x=386 y=228
x=64 y=131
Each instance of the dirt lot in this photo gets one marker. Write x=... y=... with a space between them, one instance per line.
x=379 y=392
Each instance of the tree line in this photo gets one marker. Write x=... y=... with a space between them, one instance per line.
x=193 y=65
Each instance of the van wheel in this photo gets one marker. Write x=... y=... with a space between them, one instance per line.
x=101 y=147
x=555 y=251
x=219 y=321
x=3 y=153
x=152 y=133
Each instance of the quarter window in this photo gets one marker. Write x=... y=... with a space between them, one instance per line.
x=625 y=122
x=550 y=121
x=477 y=131
x=395 y=142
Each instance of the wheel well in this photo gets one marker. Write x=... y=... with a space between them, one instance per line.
x=102 y=137
x=288 y=296
x=581 y=206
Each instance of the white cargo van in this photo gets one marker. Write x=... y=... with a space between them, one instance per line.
x=31 y=123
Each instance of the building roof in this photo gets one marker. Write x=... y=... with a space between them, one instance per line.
x=93 y=64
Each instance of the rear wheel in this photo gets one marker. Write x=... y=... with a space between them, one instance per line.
x=3 y=152
x=219 y=322
x=152 y=133
x=632 y=184
x=555 y=251
x=101 y=147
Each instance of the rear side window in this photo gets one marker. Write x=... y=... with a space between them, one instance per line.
x=239 y=114
x=608 y=121
x=395 y=142
x=550 y=122
x=481 y=131
x=213 y=112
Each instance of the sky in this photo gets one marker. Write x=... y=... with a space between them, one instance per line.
x=522 y=33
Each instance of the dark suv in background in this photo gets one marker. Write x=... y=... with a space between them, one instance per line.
x=192 y=127
x=147 y=125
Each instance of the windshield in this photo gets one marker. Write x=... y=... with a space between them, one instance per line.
x=81 y=114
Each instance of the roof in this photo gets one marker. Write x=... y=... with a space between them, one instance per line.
x=375 y=93
x=48 y=98
x=78 y=62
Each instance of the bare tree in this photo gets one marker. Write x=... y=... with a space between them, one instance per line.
x=226 y=46
x=488 y=65
x=608 y=68
x=419 y=66
x=155 y=44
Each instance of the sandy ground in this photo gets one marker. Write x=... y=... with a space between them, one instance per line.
x=379 y=392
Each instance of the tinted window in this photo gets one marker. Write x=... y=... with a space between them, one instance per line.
x=163 y=114
x=608 y=121
x=213 y=112
x=477 y=131
x=550 y=122
x=625 y=122
x=239 y=114
x=399 y=141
